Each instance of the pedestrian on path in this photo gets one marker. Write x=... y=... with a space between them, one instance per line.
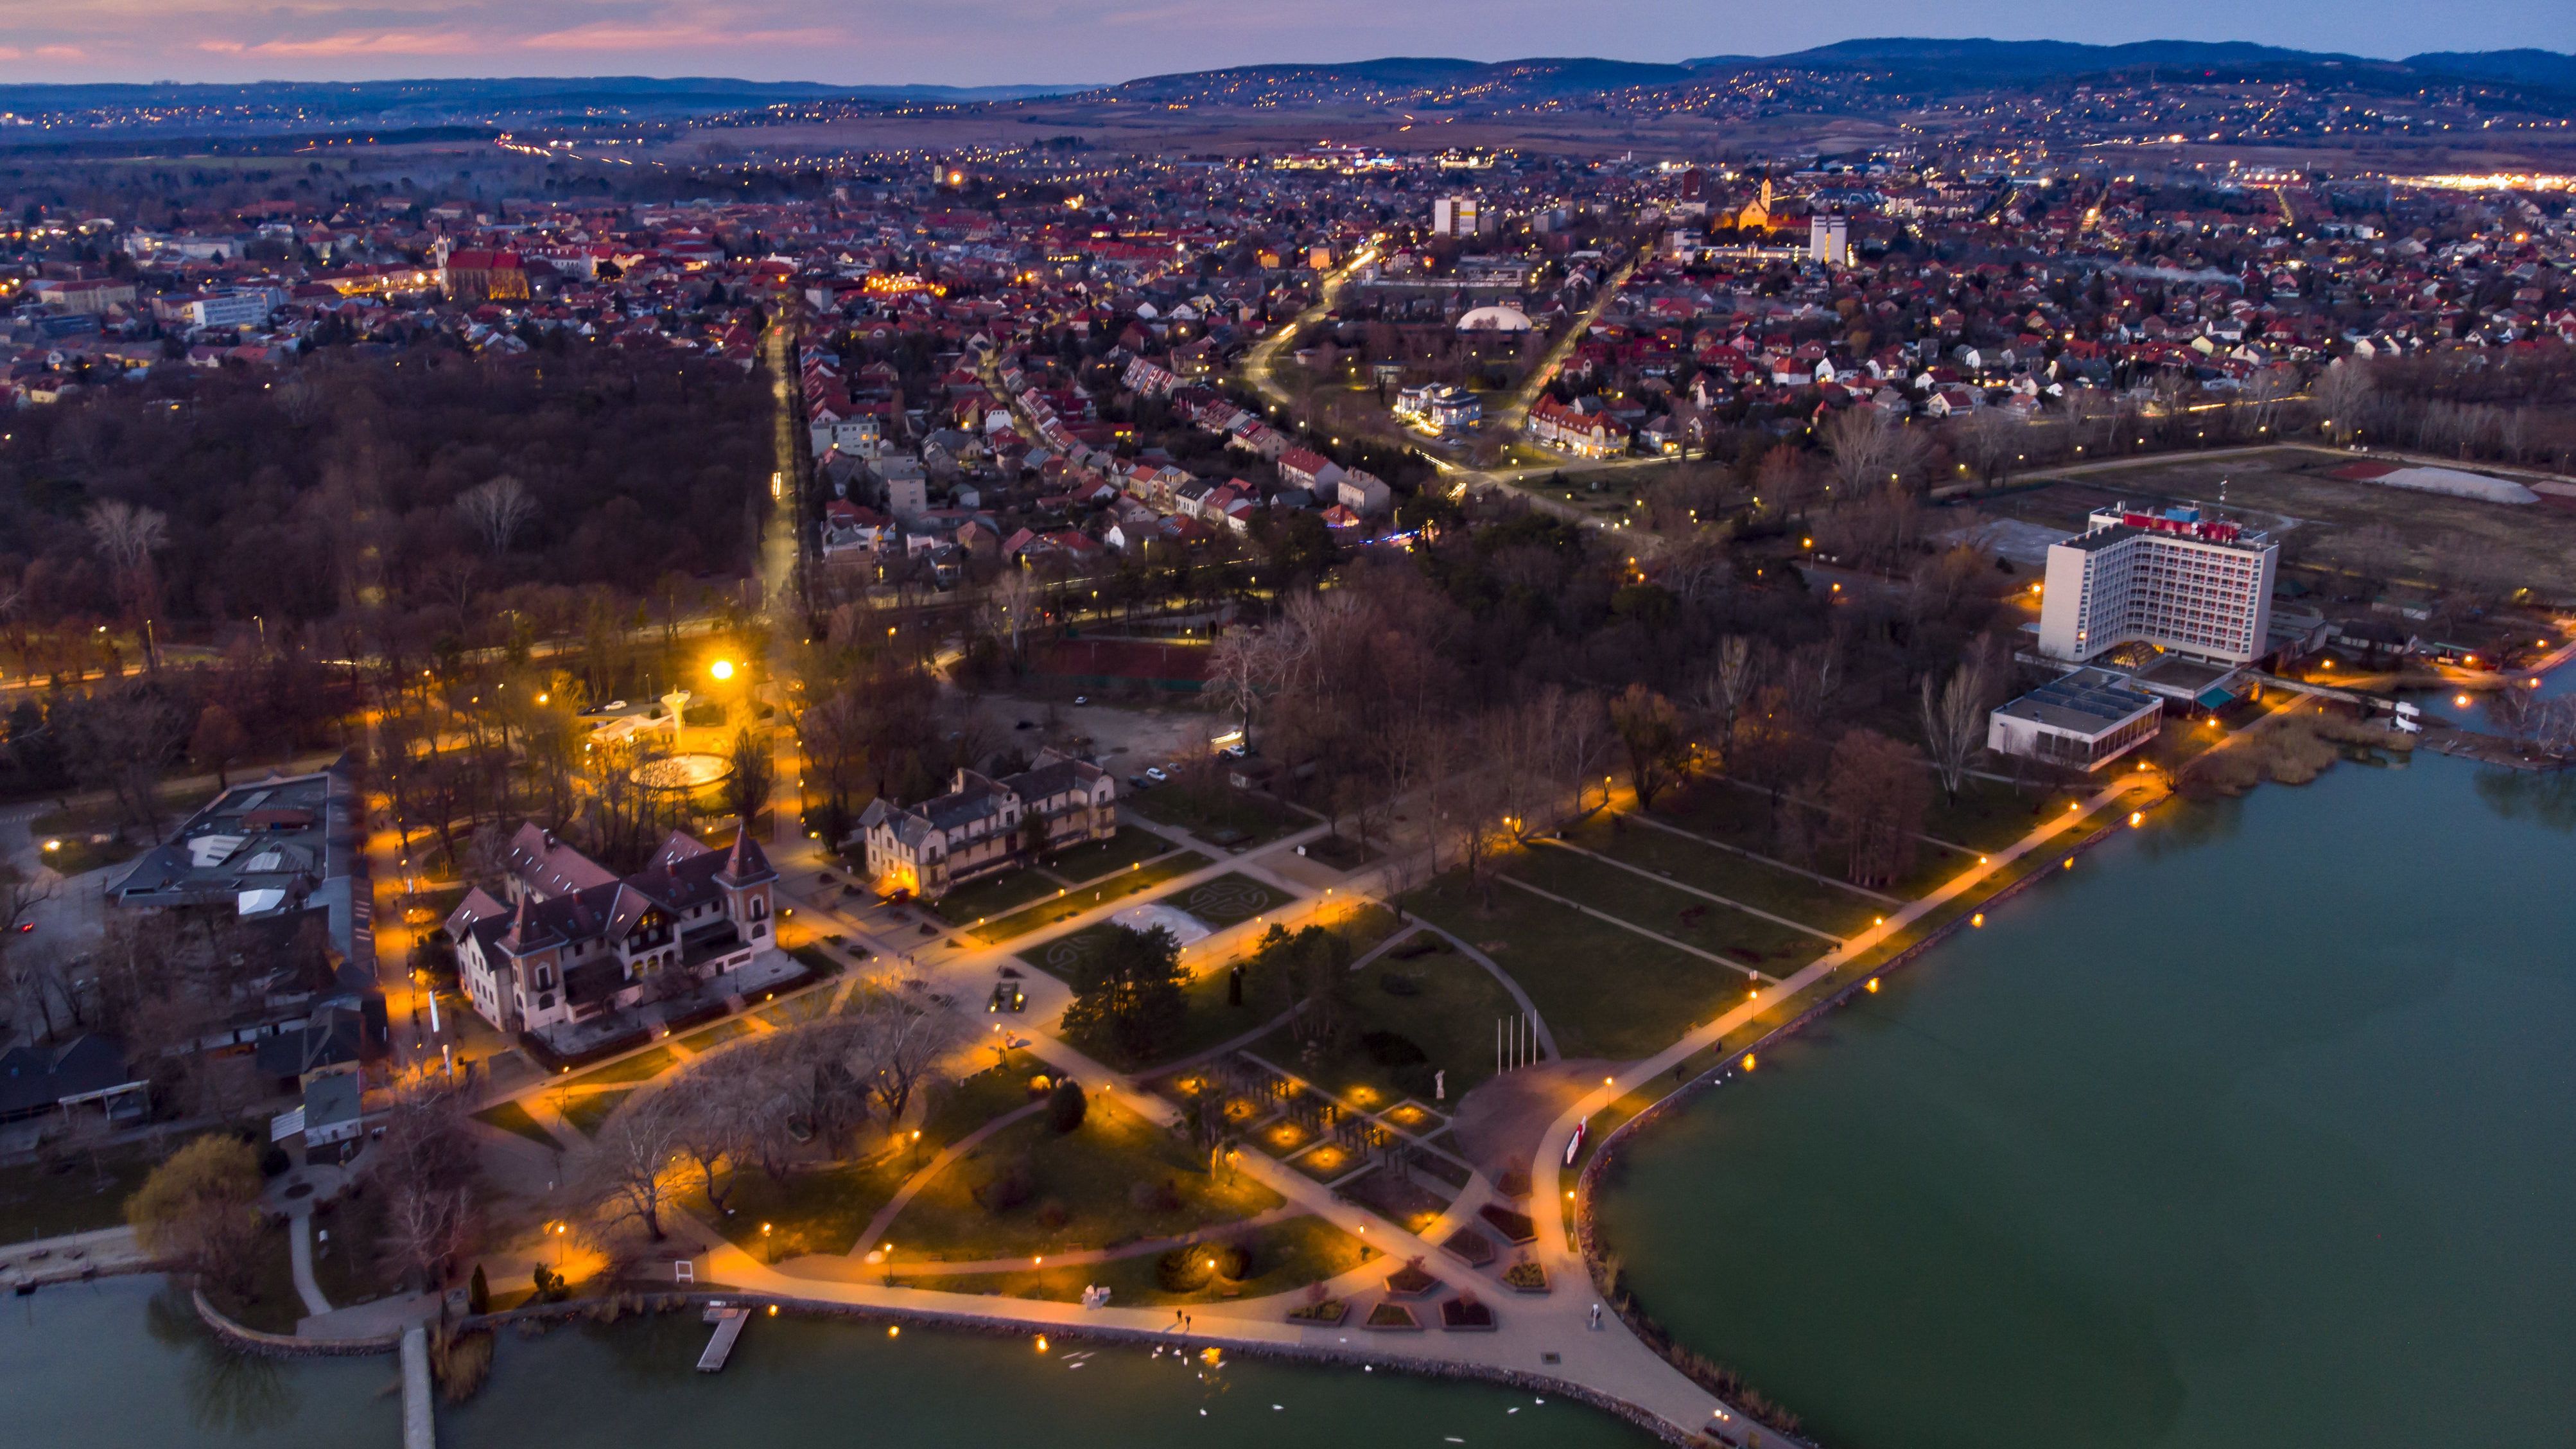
x=1596 y=1318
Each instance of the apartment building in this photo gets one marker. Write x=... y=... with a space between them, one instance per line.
x=2174 y=579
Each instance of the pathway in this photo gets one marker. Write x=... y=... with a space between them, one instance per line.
x=1662 y=879
x=1642 y=818
x=1079 y=1256
x=1626 y=925
x=300 y=1259
x=883 y=1222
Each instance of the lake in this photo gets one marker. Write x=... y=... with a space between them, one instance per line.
x=2253 y=1129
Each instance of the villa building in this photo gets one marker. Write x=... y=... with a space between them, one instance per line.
x=2175 y=580
x=575 y=940
x=984 y=826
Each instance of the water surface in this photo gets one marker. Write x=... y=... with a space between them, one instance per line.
x=2254 y=1129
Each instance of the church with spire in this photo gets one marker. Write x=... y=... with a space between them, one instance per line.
x=574 y=941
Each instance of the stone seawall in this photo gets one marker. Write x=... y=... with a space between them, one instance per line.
x=1587 y=1235
x=1004 y=1327
x=287 y=1345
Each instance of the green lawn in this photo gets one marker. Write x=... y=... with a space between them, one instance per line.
x=723 y=1031
x=959 y=1108
x=1285 y=1255
x=818 y=1209
x=588 y=1111
x=1781 y=892
x=272 y=1305
x=74 y=827
x=994 y=896
x=1087 y=1176
x=355 y=1265
x=641 y=1067
x=1083 y=864
x=1074 y=902
x=1693 y=920
x=797 y=1010
x=1229 y=899
x=1603 y=992
x=1450 y=1018
x=511 y=1117
x=1218 y=814
x=38 y=1202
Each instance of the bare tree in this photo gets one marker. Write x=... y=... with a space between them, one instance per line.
x=622 y=1179
x=128 y=535
x=496 y=511
x=1954 y=722
x=2341 y=395
x=1729 y=686
x=894 y=1044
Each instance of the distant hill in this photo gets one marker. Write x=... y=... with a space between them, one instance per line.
x=649 y=95
x=2517 y=67
x=1537 y=76
x=2029 y=59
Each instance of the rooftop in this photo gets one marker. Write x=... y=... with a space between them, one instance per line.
x=2086 y=702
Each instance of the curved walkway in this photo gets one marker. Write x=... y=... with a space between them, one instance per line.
x=1538 y=1023
x=1075 y=1257
x=912 y=1186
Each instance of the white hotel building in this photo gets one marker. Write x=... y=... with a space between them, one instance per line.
x=2176 y=580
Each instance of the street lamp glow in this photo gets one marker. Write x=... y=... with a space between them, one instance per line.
x=721 y=669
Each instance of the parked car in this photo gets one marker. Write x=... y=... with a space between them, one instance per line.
x=1155 y=774
x=1139 y=782
x=1082 y=699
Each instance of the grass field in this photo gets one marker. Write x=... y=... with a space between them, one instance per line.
x=1285 y=1255
x=1771 y=888
x=641 y=1067
x=590 y=1110
x=995 y=896
x=1119 y=886
x=820 y=1209
x=1450 y=1018
x=721 y=1032
x=1087 y=1179
x=1218 y=814
x=1603 y=992
x=2290 y=493
x=1083 y=864
x=511 y=1117
x=38 y=1202
x=1693 y=920
x=1229 y=899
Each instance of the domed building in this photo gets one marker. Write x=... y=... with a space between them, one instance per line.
x=1497 y=318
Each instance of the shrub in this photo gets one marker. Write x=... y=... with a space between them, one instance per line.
x=1155 y=1197
x=1392 y=1049
x=1066 y=1106
x=1052 y=1213
x=1234 y=1262
x=478 y=1294
x=1184 y=1269
x=1013 y=1184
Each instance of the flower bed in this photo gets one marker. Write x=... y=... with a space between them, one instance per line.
x=1326 y=1314
x=1463 y=1314
x=1392 y=1318
x=1470 y=1247
x=1525 y=1276
x=1516 y=1228
x=1410 y=1281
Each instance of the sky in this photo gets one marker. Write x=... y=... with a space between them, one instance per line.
x=989 y=42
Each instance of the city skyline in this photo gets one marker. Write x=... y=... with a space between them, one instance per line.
x=998 y=42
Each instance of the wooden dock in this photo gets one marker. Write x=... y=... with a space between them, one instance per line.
x=728 y=1322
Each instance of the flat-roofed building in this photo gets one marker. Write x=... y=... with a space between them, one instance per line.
x=2085 y=719
x=2173 y=579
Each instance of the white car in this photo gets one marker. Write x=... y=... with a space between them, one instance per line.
x=1155 y=774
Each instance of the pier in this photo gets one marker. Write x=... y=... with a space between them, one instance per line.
x=728 y=1322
